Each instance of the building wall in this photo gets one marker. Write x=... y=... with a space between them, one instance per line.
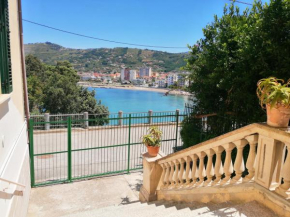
x=171 y=79
x=132 y=75
x=125 y=74
x=14 y=154
x=145 y=72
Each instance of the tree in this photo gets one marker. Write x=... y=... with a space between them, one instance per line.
x=54 y=89
x=33 y=65
x=237 y=50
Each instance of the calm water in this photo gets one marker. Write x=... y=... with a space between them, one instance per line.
x=138 y=101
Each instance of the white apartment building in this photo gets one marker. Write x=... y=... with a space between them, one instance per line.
x=145 y=71
x=139 y=81
x=133 y=75
x=161 y=83
x=14 y=150
x=183 y=80
x=171 y=79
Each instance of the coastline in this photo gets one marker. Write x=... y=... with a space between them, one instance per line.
x=130 y=87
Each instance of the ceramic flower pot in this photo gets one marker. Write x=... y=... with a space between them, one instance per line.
x=278 y=116
x=153 y=151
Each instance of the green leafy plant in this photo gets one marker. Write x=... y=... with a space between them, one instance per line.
x=274 y=92
x=153 y=138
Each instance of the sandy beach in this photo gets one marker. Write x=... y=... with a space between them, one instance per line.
x=131 y=87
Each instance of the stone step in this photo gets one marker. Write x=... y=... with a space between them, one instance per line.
x=177 y=209
x=250 y=209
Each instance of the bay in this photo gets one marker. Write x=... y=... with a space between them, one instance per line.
x=138 y=100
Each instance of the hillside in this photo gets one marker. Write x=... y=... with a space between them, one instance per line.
x=107 y=60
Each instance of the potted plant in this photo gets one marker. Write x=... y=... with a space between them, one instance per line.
x=275 y=95
x=152 y=141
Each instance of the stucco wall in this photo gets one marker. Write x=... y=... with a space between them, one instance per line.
x=14 y=155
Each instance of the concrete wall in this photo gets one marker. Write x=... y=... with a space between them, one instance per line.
x=14 y=156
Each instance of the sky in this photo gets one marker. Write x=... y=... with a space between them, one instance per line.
x=169 y=23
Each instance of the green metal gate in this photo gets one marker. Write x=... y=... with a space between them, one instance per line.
x=74 y=148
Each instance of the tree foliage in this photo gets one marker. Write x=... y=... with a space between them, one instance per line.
x=237 y=50
x=54 y=89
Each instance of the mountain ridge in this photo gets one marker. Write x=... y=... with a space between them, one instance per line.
x=107 y=60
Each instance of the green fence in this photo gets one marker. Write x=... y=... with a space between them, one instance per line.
x=96 y=146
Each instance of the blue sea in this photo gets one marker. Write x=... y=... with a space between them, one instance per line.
x=138 y=100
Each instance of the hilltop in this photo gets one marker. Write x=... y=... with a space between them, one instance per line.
x=105 y=59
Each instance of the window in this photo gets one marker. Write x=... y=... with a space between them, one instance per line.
x=5 y=55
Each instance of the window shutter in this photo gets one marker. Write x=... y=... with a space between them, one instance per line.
x=5 y=56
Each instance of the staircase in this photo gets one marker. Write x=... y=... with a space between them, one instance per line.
x=219 y=170
x=178 y=209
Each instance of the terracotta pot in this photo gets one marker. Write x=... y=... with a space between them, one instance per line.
x=153 y=151
x=278 y=116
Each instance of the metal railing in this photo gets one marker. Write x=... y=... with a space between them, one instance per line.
x=73 y=148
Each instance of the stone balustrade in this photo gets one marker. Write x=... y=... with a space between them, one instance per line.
x=224 y=161
x=211 y=166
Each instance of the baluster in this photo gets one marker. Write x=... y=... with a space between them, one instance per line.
x=166 y=178
x=194 y=170
x=239 y=165
x=162 y=184
x=171 y=174
x=253 y=141
x=228 y=166
x=201 y=170
x=175 y=176
x=187 y=171
x=209 y=167
x=218 y=169
x=181 y=171
x=283 y=189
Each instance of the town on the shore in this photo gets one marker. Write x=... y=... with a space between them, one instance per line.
x=143 y=77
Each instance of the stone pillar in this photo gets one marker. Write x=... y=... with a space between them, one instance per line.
x=86 y=118
x=150 y=112
x=269 y=162
x=151 y=176
x=120 y=121
x=46 y=119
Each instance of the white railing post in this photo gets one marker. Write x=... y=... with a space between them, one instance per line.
x=86 y=118
x=150 y=112
x=46 y=119
x=120 y=116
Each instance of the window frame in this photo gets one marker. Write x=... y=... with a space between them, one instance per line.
x=5 y=50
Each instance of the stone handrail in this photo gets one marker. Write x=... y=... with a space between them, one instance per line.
x=211 y=163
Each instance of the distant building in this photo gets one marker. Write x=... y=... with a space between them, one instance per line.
x=146 y=71
x=87 y=76
x=139 y=81
x=171 y=79
x=183 y=80
x=161 y=83
x=133 y=74
x=125 y=74
x=107 y=79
